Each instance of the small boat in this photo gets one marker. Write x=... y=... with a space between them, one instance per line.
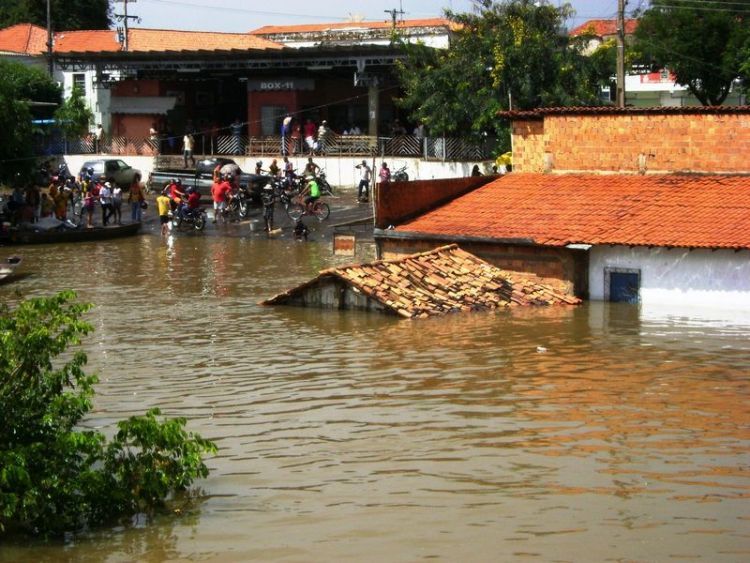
x=81 y=234
x=9 y=268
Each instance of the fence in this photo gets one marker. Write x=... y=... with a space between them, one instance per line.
x=428 y=148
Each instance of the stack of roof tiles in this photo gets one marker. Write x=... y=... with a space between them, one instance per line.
x=444 y=280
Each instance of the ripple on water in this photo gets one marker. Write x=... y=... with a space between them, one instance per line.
x=348 y=435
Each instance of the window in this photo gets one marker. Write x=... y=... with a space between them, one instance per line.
x=79 y=81
x=622 y=285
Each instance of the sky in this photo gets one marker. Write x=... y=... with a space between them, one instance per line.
x=238 y=16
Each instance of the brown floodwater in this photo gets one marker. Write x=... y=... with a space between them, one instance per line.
x=590 y=434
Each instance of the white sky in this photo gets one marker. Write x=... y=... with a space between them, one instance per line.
x=244 y=15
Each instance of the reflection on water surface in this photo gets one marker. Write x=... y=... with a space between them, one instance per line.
x=554 y=434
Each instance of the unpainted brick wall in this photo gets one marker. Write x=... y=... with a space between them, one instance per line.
x=633 y=142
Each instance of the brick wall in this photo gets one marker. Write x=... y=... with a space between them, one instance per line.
x=634 y=142
x=398 y=201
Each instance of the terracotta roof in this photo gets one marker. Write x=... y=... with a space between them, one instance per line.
x=444 y=280
x=23 y=38
x=93 y=40
x=167 y=40
x=602 y=28
x=540 y=113
x=692 y=211
x=157 y=40
x=321 y=27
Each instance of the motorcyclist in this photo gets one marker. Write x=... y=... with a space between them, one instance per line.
x=193 y=200
x=259 y=168
x=175 y=192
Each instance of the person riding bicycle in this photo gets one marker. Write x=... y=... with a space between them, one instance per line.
x=313 y=189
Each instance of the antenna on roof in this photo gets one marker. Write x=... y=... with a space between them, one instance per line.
x=394 y=12
x=124 y=17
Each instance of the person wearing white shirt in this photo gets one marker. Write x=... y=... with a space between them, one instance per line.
x=365 y=178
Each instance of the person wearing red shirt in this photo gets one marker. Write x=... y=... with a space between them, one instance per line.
x=175 y=193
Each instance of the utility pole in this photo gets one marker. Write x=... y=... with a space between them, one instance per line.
x=621 y=53
x=49 y=39
x=124 y=17
x=394 y=12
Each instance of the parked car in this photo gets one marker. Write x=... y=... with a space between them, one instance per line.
x=202 y=177
x=114 y=170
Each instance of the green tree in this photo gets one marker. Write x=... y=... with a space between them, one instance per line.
x=19 y=85
x=66 y=14
x=74 y=116
x=701 y=44
x=512 y=54
x=54 y=476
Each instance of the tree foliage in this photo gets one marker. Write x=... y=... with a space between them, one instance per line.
x=512 y=54
x=55 y=477
x=74 y=116
x=20 y=84
x=66 y=14
x=704 y=46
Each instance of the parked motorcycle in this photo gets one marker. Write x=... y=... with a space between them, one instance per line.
x=400 y=175
x=185 y=219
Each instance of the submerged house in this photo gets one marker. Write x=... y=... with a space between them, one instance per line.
x=637 y=205
x=441 y=281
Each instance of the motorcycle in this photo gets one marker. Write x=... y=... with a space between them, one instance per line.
x=239 y=206
x=400 y=175
x=185 y=219
x=325 y=187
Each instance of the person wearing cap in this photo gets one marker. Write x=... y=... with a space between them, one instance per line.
x=365 y=178
x=105 y=199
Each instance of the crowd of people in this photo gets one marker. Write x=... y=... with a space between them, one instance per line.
x=69 y=199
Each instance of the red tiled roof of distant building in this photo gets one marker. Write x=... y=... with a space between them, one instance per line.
x=89 y=40
x=692 y=211
x=23 y=38
x=169 y=40
x=540 y=113
x=157 y=40
x=320 y=27
x=602 y=28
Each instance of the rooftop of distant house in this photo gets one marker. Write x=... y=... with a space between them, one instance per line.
x=31 y=39
x=691 y=211
x=603 y=27
x=541 y=113
x=352 y=25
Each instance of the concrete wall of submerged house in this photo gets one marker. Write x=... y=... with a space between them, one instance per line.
x=719 y=279
x=564 y=269
x=633 y=142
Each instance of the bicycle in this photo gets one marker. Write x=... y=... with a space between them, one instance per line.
x=319 y=209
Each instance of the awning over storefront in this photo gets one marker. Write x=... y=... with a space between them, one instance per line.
x=148 y=105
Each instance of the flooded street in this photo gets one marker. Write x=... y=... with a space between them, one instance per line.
x=587 y=434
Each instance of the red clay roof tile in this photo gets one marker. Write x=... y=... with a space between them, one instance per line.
x=23 y=38
x=319 y=27
x=444 y=280
x=148 y=40
x=556 y=210
x=602 y=28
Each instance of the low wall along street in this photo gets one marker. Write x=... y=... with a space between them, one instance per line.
x=340 y=171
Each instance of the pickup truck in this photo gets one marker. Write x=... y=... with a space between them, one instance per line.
x=202 y=177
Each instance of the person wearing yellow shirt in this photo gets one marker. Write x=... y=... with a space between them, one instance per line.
x=163 y=205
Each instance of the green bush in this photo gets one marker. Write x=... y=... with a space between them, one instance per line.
x=54 y=477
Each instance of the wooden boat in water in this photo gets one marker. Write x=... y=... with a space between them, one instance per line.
x=81 y=234
x=9 y=268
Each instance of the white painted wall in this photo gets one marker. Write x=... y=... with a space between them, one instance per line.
x=97 y=98
x=341 y=172
x=676 y=277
